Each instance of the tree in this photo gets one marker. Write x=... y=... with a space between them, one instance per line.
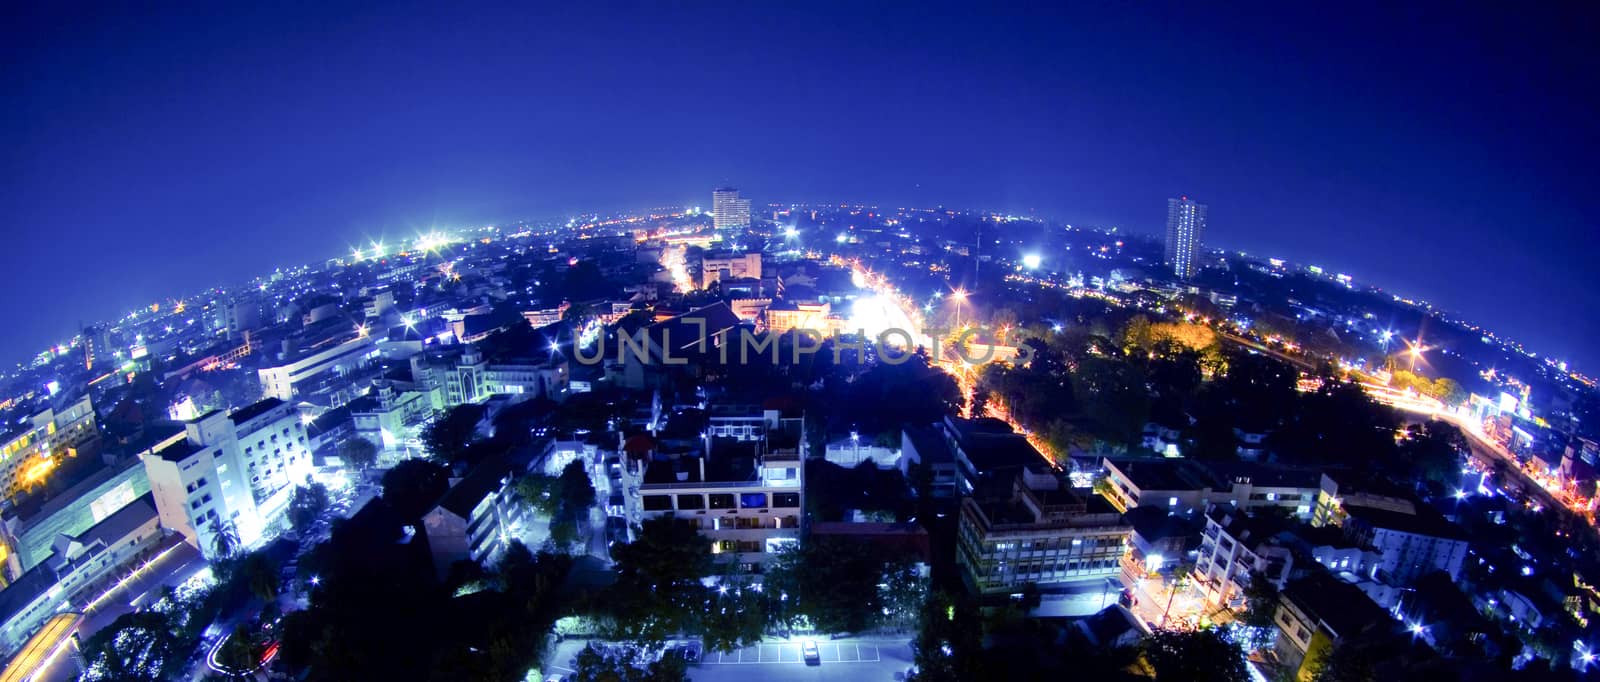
x=658 y=584
x=1261 y=603
x=447 y=437
x=138 y=646
x=358 y=453
x=622 y=665
x=259 y=573
x=413 y=486
x=306 y=504
x=1194 y=656
x=948 y=646
x=224 y=539
x=832 y=583
x=243 y=649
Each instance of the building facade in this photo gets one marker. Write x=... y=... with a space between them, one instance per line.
x=1050 y=538
x=1186 y=226
x=728 y=209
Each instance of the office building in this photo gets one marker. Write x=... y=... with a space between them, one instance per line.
x=79 y=564
x=229 y=474
x=728 y=209
x=1186 y=226
x=288 y=375
x=1069 y=544
x=721 y=267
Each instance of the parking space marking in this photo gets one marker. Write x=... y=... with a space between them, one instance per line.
x=789 y=652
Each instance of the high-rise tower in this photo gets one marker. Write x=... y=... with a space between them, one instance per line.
x=1186 y=225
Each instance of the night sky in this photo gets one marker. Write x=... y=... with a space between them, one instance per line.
x=1446 y=155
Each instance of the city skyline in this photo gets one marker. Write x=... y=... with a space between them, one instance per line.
x=1466 y=200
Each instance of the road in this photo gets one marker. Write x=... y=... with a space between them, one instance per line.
x=847 y=659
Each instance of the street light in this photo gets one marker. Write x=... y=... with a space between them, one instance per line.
x=960 y=297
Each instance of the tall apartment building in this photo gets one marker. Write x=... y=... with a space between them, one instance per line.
x=728 y=209
x=1066 y=542
x=1186 y=226
x=231 y=473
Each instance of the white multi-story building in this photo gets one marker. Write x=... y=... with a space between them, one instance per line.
x=1186 y=226
x=474 y=378
x=745 y=500
x=1235 y=550
x=283 y=381
x=230 y=473
x=725 y=266
x=272 y=447
x=1411 y=545
x=728 y=209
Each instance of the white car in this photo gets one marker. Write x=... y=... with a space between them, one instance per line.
x=808 y=650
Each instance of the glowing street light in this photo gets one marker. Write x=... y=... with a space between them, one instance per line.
x=1415 y=351
x=960 y=297
x=1032 y=261
x=791 y=232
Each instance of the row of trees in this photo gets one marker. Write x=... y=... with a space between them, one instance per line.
x=821 y=585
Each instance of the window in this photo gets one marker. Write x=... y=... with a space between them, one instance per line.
x=657 y=502
x=721 y=501
x=695 y=501
x=753 y=500
x=787 y=500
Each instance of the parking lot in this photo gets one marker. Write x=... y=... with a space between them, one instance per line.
x=789 y=652
x=844 y=660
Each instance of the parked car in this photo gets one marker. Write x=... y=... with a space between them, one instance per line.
x=808 y=650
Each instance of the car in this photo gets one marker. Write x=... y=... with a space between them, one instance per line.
x=555 y=678
x=808 y=650
x=690 y=652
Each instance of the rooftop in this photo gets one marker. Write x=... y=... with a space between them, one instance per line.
x=1149 y=474
x=249 y=412
x=1343 y=607
x=1425 y=522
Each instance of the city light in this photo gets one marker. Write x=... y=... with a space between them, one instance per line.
x=791 y=232
x=1032 y=261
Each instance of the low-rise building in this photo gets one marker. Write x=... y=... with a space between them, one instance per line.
x=70 y=578
x=479 y=516
x=742 y=496
x=1187 y=487
x=313 y=357
x=1412 y=545
x=1315 y=613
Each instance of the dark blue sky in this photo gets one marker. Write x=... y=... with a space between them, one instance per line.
x=1446 y=153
